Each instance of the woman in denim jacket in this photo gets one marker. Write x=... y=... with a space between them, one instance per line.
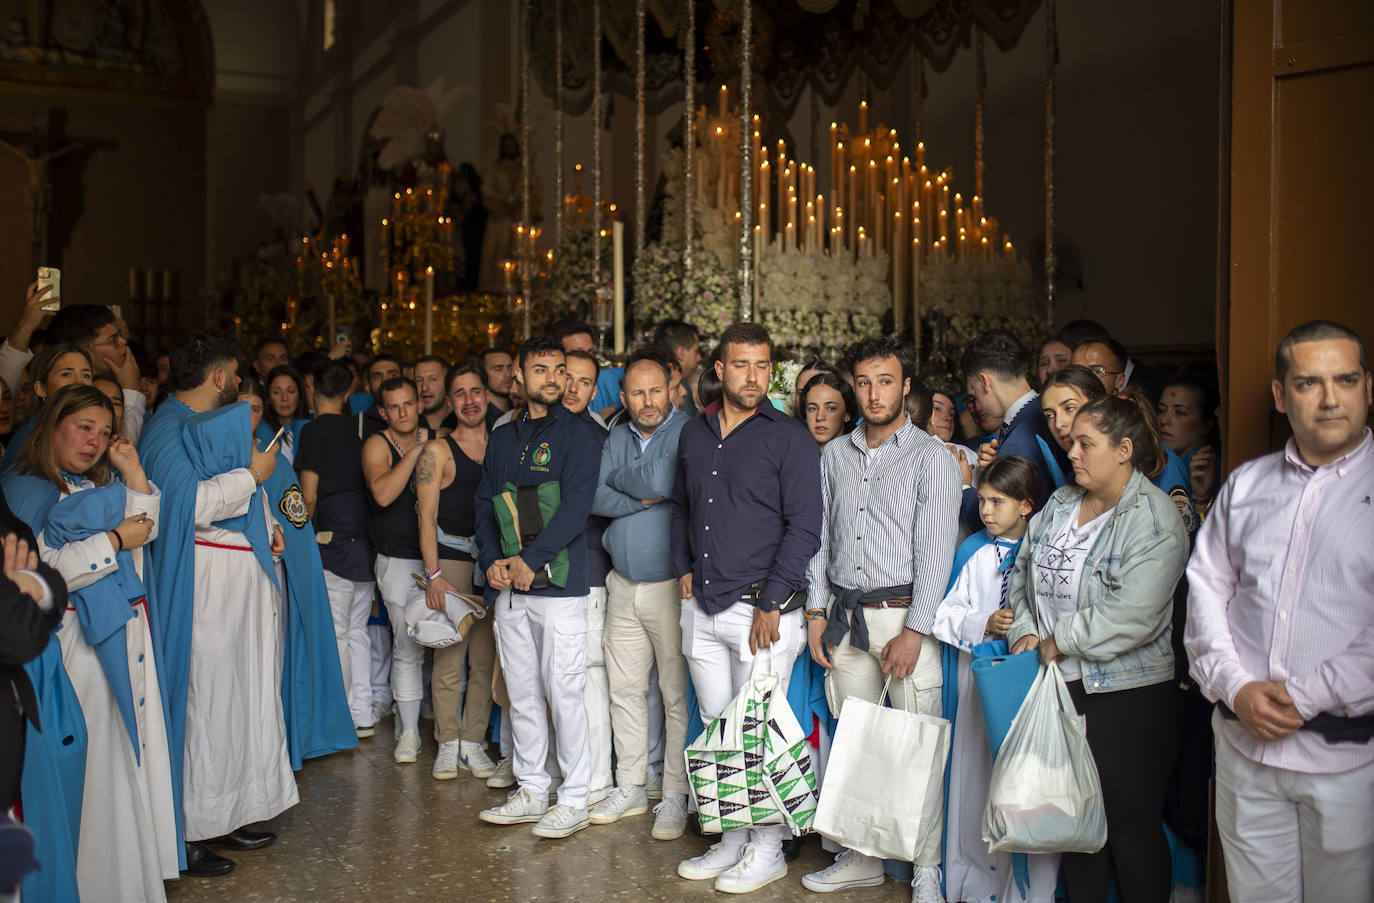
x=1093 y=590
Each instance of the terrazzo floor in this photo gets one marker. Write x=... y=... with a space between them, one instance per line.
x=369 y=829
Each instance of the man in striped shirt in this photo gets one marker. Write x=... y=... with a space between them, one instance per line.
x=890 y=495
x=1281 y=635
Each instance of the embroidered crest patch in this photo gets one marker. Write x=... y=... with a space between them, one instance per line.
x=542 y=455
x=293 y=507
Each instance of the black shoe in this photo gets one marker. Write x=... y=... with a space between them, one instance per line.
x=203 y=862
x=243 y=839
x=791 y=848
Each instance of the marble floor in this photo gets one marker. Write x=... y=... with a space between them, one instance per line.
x=367 y=828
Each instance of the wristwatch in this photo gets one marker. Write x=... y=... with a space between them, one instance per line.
x=767 y=605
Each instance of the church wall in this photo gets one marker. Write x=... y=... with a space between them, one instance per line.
x=142 y=199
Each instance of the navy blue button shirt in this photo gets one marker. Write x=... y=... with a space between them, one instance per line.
x=746 y=507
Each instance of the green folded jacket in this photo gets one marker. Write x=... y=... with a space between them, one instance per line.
x=521 y=512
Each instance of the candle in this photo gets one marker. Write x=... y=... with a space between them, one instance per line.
x=863 y=117
x=758 y=255
x=618 y=261
x=852 y=196
x=916 y=289
x=724 y=101
x=429 y=310
x=898 y=296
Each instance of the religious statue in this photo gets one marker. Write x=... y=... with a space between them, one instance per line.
x=501 y=195
x=37 y=151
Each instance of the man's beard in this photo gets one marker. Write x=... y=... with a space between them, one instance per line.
x=649 y=428
x=739 y=401
x=228 y=394
x=436 y=408
x=886 y=417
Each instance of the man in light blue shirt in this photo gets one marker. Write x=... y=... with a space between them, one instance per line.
x=638 y=466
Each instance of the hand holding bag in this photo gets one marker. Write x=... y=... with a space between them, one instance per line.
x=1044 y=795
x=884 y=782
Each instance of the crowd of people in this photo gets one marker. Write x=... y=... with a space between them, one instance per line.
x=222 y=562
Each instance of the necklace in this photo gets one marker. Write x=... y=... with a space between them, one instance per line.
x=396 y=444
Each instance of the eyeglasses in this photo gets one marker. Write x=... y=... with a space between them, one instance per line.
x=112 y=339
x=1099 y=371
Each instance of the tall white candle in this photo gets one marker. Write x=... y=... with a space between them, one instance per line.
x=618 y=262
x=429 y=310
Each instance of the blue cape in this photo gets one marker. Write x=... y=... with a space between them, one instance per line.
x=16 y=445
x=171 y=557
x=54 y=777
x=104 y=607
x=314 y=701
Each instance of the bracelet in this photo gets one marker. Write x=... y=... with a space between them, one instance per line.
x=256 y=476
x=119 y=539
x=815 y=614
x=430 y=575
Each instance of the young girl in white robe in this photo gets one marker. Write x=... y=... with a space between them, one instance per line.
x=974 y=611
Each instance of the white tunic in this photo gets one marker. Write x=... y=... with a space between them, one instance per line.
x=237 y=769
x=972 y=874
x=128 y=839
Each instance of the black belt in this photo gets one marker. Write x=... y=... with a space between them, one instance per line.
x=1333 y=728
x=754 y=592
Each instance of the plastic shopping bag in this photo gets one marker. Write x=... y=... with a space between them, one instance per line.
x=884 y=782
x=1044 y=796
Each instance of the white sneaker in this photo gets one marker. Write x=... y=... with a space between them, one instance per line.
x=365 y=730
x=670 y=817
x=710 y=864
x=407 y=747
x=503 y=776
x=925 y=886
x=599 y=794
x=653 y=786
x=850 y=869
x=518 y=808
x=560 y=821
x=754 y=870
x=446 y=762
x=472 y=756
x=622 y=802
x=380 y=711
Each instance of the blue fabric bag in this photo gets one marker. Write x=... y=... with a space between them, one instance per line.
x=1002 y=681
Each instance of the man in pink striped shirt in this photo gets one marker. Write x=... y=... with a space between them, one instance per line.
x=1281 y=633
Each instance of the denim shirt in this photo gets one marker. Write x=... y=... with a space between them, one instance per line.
x=1121 y=630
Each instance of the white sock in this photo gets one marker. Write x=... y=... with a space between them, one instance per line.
x=410 y=715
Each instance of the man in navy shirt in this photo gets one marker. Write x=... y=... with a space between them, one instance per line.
x=996 y=367
x=540 y=611
x=746 y=522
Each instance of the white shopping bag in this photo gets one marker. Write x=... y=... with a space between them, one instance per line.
x=1044 y=795
x=884 y=788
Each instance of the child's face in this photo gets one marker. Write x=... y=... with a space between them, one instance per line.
x=1002 y=514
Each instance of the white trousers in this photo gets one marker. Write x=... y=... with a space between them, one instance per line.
x=407 y=658
x=859 y=673
x=1290 y=836
x=598 y=694
x=717 y=651
x=643 y=629
x=542 y=641
x=350 y=601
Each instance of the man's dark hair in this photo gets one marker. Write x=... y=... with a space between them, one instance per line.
x=332 y=380
x=147 y=367
x=270 y=340
x=462 y=368
x=564 y=328
x=654 y=355
x=880 y=346
x=432 y=359
x=540 y=344
x=1117 y=350
x=675 y=334
x=391 y=385
x=79 y=324
x=740 y=333
x=1314 y=331
x=581 y=355
x=998 y=352
x=1076 y=330
x=196 y=358
x=384 y=357
x=310 y=362
x=488 y=352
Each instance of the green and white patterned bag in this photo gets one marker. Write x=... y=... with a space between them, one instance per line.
x=752 y=765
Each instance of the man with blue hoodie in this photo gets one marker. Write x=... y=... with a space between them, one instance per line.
x=538 y=480
x=634 y=489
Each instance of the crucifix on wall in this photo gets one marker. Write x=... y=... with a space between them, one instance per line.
x=39 y=150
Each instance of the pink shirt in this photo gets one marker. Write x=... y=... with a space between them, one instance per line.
x=1281 y=587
